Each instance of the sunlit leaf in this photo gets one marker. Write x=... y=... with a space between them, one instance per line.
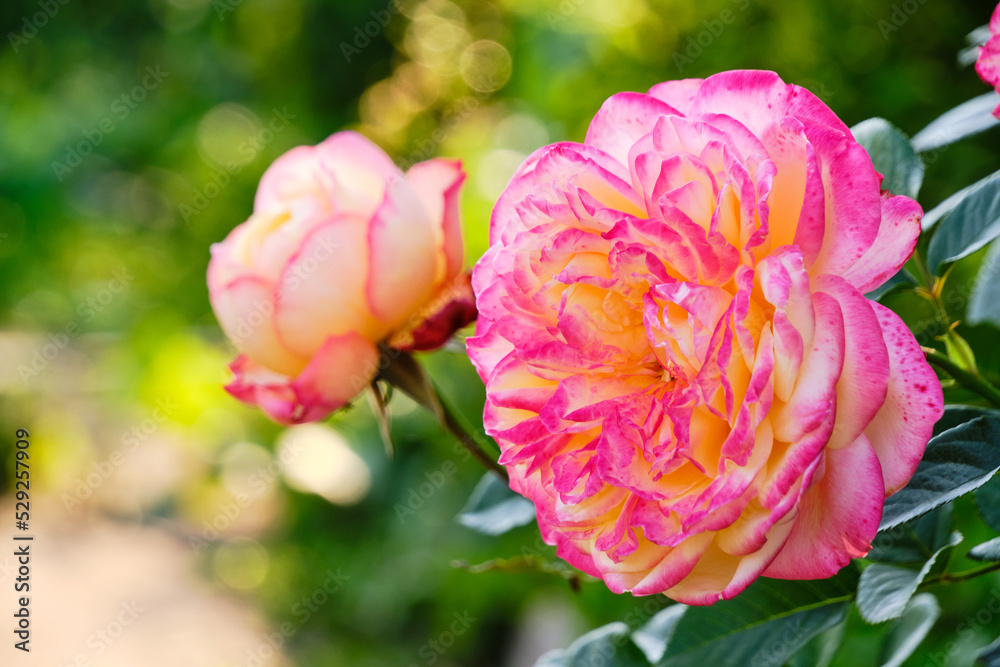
x=892 y=155
x=987 y=551
x=609 y=645
x=963 y=121
x=493 y=508
x=907 y=633
x=885 y=590
x=984 y=304
x=956 y=462
x=766 y=624
x=974 y=222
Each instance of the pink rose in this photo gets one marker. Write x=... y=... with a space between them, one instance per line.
x=988 y=64
x=343 y=251
x=682 y=370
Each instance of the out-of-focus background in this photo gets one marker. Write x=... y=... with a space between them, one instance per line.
x=174 y=525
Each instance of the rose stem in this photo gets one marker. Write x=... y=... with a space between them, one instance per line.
x=455 y=424
x=968 y=379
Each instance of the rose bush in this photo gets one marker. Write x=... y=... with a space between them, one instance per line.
x=682 y=370
x=988 y=63
x=343 y=251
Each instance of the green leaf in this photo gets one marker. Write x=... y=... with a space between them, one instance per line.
x=609 y=646
x=956 y=415
x=885 y=590
x=380 y=407
x=914 y=541
x=907 y=633
x=493 y=509
x=965 y=120
x=984 y=304
x=956 y=462
x=989 y=656
x=766 y=624
x=401 y=370
x=900 y=278
x=988 y=502
x=942 y=210
x=893 y=156
x=653 y=637
x=973 y=223
x=820 y=650
x=987 y=551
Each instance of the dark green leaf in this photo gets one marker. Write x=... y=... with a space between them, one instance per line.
x=893 y=156
x=989 y=656
x=987 y=551
x=973 y=223
x=493 y=508
x=914 y=541
x=956 y=462
x=956 y=415
x=988 y=502
x=900 y=278
x=965 y=120
x=380 y=407
x=402 y=371
x=907 y=633
x=765 y=625
x=940 y=211
x=653 y=637
x=984 y=304
x=820 y=650
x=609 y=646
x=885 y=590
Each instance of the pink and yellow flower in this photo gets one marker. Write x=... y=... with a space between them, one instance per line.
x=682 y=369
x=343 y=252
x=988 y=64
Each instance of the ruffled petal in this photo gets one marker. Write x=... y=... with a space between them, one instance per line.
x=837 y=517
x=622 y=120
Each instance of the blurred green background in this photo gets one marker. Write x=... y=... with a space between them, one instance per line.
x=132 y=136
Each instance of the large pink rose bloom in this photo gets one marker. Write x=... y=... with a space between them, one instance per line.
x=343 y=252
x=988 y=64
x=682 y=370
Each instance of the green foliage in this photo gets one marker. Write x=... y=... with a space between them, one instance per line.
x=911 y=628
x=965 y=120
x=885 y=590
x=892 y=155
x=493 y=508
x=974 y=222
x=956 y=462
